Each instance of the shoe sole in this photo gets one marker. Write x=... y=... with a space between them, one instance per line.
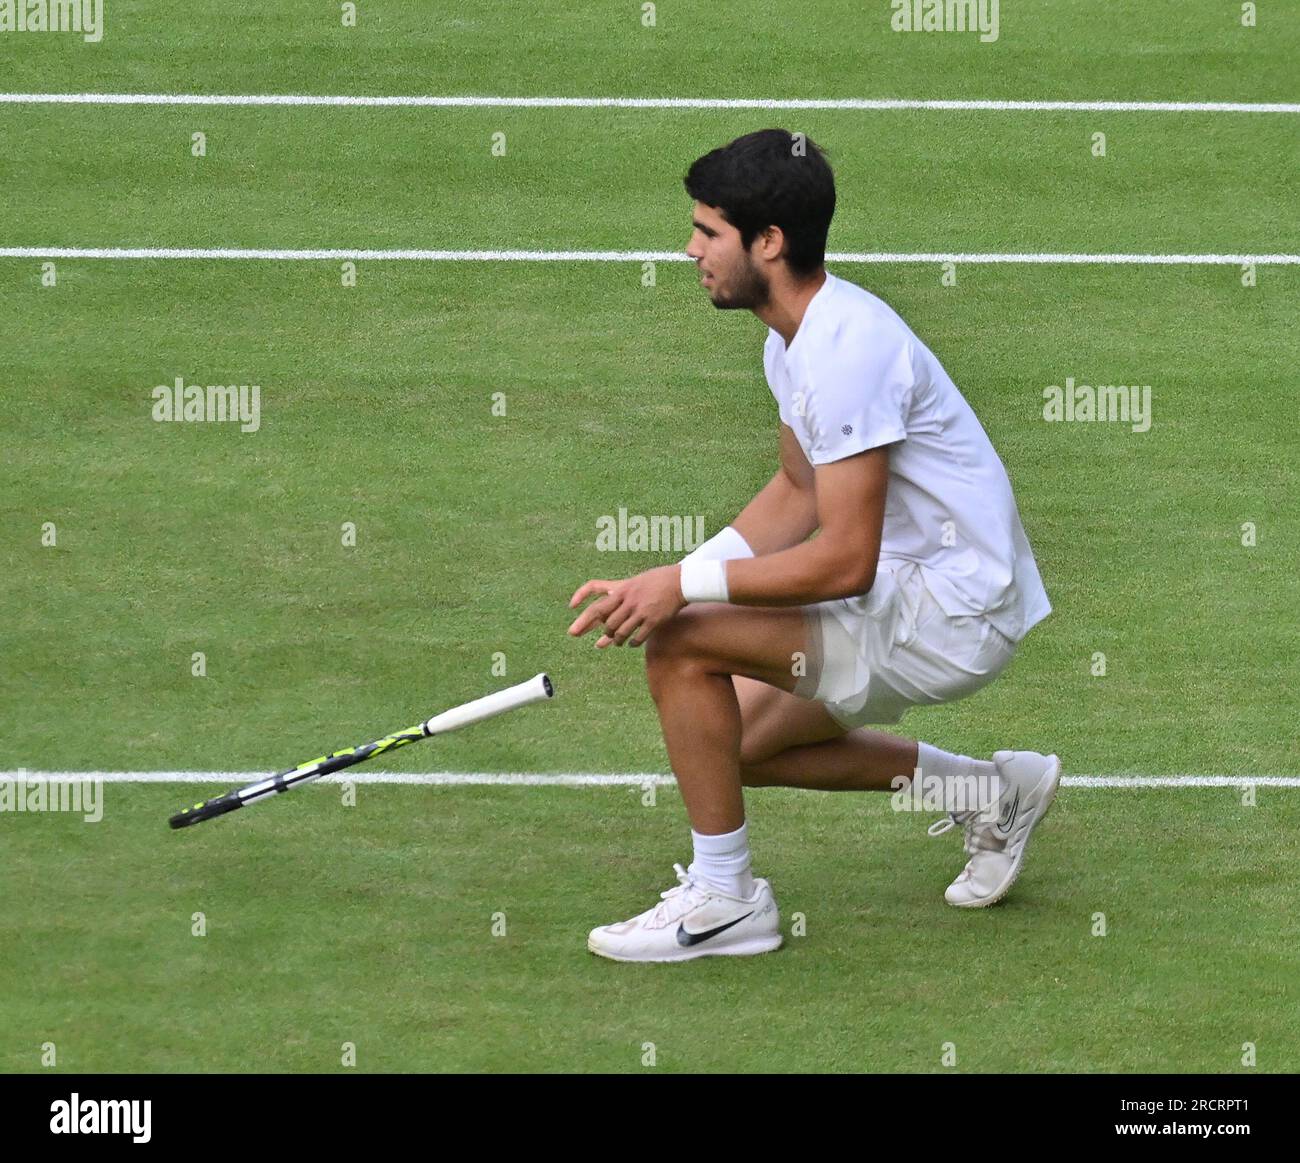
x=745 y=948
x=1052 y=777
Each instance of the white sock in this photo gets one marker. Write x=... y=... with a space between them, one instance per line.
x=966 y=783
x=724 y=861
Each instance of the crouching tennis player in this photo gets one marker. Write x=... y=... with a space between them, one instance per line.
x=769 y=650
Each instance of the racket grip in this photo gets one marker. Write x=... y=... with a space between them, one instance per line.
x=521 y=694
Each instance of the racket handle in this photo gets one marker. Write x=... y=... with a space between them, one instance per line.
x=535 y=690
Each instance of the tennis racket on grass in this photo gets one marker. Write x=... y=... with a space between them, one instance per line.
x=536 y=689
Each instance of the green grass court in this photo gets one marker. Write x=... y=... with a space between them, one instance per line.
x=373 y=924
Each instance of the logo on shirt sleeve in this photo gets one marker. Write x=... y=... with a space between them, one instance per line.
x=846 y=429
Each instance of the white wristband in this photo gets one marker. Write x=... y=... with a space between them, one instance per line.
x=725 y=545
x=704 y=581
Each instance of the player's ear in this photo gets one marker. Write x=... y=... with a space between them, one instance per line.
x=771 y=241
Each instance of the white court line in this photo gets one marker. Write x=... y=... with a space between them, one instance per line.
x=845 y=103
x=278 y=255
x=586 y=779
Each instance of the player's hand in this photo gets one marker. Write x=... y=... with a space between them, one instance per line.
x=630 y=610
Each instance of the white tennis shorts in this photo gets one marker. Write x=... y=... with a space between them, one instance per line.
x=872 y=657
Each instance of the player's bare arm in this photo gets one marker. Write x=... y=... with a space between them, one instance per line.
x=841 y=560
x=784 y=511
x=839 y=499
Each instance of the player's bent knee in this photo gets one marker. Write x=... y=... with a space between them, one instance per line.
x=676 y=650
x=676 y=638
x=665 y=671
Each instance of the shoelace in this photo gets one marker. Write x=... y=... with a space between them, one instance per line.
x=677 y=896
x=979 y=837
x=950 y=821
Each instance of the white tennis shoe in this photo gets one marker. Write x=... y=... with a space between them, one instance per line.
x=996 y=843
x=694 y=920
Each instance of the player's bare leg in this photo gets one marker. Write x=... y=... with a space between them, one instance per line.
x=783 y=745
x=690 y=661
x=723 y=732
x=718 y=906
x=788 y=741
x=722 y=678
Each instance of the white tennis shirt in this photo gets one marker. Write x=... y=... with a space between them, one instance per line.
x=855 y=377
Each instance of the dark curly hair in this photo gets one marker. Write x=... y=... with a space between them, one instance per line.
x=771 y=178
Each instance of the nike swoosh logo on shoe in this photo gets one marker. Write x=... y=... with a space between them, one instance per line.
x=687 y=939
x=1008 y=817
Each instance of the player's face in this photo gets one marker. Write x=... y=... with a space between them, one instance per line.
x=726 y=270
